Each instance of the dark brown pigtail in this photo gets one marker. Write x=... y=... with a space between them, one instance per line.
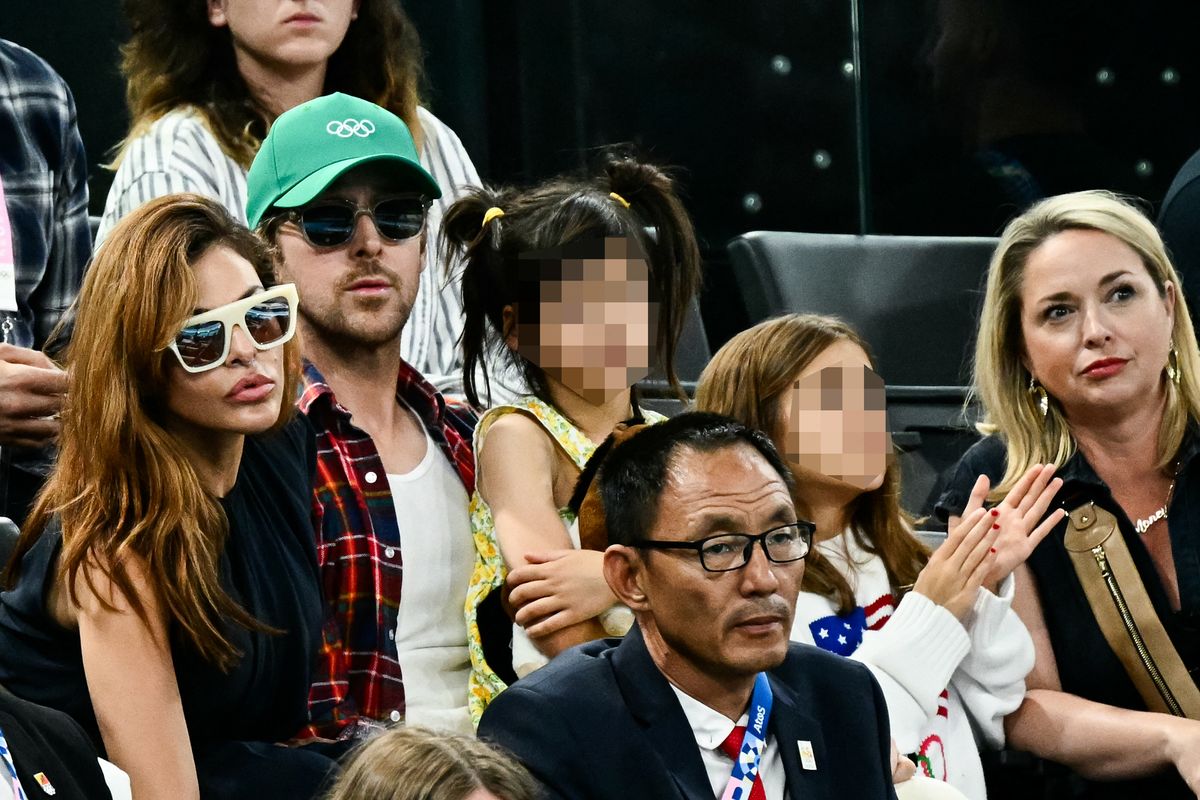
x=671 y=245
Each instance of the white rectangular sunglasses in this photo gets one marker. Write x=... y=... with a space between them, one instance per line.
x=268 y=318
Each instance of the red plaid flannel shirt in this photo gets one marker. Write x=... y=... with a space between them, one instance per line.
x=357 y=672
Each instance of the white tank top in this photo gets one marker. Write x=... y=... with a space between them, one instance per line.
x=438 y=556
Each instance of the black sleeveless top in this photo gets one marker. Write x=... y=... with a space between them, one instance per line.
x=1087 y=666
x=269 y=567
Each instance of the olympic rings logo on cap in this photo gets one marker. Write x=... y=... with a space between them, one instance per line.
x=345 y=128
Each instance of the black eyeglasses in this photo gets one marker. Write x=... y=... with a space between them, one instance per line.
x=726 y=552
x=330 y=223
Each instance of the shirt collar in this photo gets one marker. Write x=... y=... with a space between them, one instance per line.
x=708 y=726
x=411 y=388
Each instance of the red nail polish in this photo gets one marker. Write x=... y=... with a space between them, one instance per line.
x=995 y=513
x=995 y=527
x=993 y=549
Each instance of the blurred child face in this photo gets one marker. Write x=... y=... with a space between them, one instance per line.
x=595 y=322
x=836 y=419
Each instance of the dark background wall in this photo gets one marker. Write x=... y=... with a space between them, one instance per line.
x=955 y=114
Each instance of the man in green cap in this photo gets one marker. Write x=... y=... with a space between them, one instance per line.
x=338 y=189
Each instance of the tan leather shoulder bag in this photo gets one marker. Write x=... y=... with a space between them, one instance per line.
x=1125 y=614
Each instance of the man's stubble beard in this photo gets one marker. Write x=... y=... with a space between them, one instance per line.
x=339 y=335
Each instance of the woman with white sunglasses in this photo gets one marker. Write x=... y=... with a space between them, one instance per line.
x=165 y=591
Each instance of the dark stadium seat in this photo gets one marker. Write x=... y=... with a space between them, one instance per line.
x=693 y=353
x=9 y=533
x=930 y=432
x=691 y=356
x=913 y=298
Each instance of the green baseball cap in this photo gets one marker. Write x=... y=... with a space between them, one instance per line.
x=313 y=144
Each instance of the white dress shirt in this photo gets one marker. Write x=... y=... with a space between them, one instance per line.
x=710 y=729
x=117 y=780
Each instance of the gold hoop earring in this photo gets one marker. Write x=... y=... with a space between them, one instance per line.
x=1173 y=372
x=1040 y=398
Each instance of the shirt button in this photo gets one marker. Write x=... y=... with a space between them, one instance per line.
x=371 y=477
x=394 y=716
x=390 y=552
x=392 y=635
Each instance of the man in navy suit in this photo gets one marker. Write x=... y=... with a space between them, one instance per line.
x=707 y=550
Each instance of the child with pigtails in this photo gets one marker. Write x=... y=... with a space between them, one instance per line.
x=581 y=286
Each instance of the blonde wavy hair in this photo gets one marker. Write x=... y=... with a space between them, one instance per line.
x=1001 y=381
x=413 y=763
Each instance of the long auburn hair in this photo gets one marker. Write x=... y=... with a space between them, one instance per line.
x=748 y=378
x=123 y=486
x=556 y=213
x=1001 y=379
x=176 y=58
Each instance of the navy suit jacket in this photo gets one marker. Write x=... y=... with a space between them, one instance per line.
x=600 y=722
x=51 y=743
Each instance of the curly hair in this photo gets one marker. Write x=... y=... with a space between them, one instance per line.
x=175 y=58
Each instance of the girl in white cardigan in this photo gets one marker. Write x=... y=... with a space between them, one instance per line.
x=937 y=630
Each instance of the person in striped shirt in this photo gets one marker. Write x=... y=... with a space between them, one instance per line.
x=206 y=81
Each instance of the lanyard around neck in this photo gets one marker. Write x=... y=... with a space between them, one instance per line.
x=8 y=267
x=8 y=767
x=754 y=742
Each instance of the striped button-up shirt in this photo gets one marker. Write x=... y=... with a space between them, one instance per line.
x=180 y=154
x=357 y=674
x=44 y=173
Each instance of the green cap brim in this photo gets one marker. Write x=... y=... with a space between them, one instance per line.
x=308 y=188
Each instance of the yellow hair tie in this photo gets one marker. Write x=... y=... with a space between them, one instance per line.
x=495 y=212
x=619 y=199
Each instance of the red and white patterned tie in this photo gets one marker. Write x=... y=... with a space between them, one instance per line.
x=731 y=747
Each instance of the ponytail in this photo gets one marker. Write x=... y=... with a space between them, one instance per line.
x=489 y=228
x=672 y=247
x=484 y=284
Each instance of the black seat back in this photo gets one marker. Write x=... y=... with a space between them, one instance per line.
x=691 y=352
x=931 y=430
x=915 y=299
x=9 y=533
